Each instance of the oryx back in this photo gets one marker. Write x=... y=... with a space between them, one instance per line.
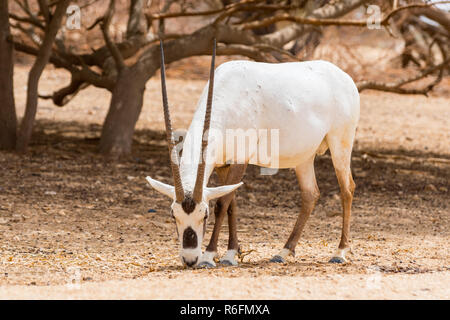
x=303 y=100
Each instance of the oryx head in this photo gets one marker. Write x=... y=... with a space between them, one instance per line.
x=190 y=208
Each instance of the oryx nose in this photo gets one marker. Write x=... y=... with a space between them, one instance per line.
x=190 y=263
x=189 y=238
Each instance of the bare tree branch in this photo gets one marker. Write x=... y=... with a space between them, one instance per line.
x=29 y=33
x=439 y=16
x=111 y=44
x=137 y=24
x=337 y=9
x=291 y=32
x=396 y=87
x=226 y=11
x=243 y=50
x=232 y=39
x=64 y=95
x=267 y=47
x=44 y=10
x=327 y=22
x=34 y=21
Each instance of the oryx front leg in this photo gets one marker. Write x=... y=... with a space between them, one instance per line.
x=210 y=253
x=309 y=194
x=229 y=258
x=341 y=149
x=226 y=204
x=236 y=173
x=223 y=205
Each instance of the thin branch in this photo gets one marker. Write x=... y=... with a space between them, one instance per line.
x=250 y=6
x=327 y=22
x=267 y=47
x=43 y=7
x=137 y=24
x=24 y=6
x=243 y=50
x=31 y=20
x=227 y=10
x=336 y=9
x=88 y=4
x=86 y=74
x=161 y=24
x=396 y=87
x=29 y=33
x=56 y=61
x=159 y=16
x=66 y=94
x=96 y=22
x=111 y=44
x=413 y=6
x=395 y=4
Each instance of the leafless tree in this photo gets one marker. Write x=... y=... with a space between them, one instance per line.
x=50 y=24
x=248 y=27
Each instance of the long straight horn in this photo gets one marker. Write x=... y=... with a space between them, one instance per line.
x=179 y=192
x=198 y=189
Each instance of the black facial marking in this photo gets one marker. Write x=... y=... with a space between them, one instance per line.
x=189 y=238
x=204 y=227
x=173 y=217
x=188 y=204
x=204 y=221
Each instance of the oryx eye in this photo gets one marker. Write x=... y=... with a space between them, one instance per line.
x=206 y=214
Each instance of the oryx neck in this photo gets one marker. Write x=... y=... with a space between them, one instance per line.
x=191 y=156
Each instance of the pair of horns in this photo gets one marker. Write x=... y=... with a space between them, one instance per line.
x=198 y=188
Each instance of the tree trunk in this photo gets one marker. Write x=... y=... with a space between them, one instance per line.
x=126 y=104
x=8 y=119
x=26 y=126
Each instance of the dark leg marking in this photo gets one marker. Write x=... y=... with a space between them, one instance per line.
x=227 y=204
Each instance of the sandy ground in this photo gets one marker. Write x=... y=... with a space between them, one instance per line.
x=75 y=225
x=186 y=287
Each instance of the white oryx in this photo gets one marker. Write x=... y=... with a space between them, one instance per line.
x=313 y=105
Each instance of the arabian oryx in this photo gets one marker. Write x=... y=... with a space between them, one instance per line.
x=313 y=105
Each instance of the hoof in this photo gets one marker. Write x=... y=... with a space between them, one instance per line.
x=228 y=263
x=206 y=265
x=337 y=260
x=277 y=259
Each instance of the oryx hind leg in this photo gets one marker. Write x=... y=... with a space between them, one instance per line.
x=309 y=195
x=230 y=174
x=341 y=144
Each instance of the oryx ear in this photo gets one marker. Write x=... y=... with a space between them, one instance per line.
x=217 y=192
x=164 y=188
